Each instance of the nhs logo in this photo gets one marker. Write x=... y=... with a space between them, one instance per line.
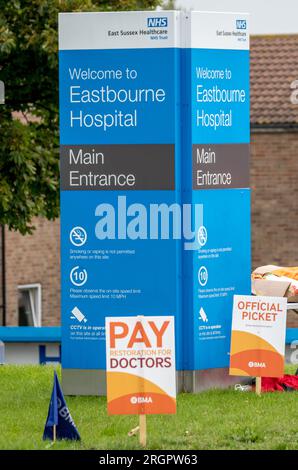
x=241 y=24
x=155 y=21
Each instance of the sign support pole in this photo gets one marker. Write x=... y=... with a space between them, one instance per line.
x=142 y=416
x=54 y=433
x=143 y=430
x=258 y=385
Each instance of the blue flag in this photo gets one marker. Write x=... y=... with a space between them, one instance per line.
x=60 y=416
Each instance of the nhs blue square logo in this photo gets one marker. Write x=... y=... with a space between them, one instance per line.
x=241 y=24
x=157 y=22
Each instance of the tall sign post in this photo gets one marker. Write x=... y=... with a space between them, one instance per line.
x=155 y=199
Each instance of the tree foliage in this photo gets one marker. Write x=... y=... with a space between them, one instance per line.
x=29 y=135
x=170 y=5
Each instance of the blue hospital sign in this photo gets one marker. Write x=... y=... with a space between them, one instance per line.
x=154 y=146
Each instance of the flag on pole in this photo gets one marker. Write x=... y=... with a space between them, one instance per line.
x=59 y=417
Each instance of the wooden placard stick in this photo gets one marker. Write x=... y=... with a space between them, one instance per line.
x=142 y=417
x=143 y=430
x=258 y=385
x=54 y=433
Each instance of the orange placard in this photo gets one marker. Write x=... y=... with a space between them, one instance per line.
x=258 y=336
x=141 y=373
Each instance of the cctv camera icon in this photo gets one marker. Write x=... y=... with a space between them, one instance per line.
x=79 y=315
x=203 y=315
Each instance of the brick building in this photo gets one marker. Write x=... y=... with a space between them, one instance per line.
x=32 y=262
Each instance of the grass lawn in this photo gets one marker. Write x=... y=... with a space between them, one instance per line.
x=217 y=419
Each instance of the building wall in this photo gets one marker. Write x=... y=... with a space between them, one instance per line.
x=34 y=259
x=274 y=182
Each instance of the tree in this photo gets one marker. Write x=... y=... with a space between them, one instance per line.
x=29 y=136
x=169 y=5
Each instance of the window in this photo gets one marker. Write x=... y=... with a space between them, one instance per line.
x=29 y=305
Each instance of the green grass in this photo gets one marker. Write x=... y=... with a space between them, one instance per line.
x=217 y=419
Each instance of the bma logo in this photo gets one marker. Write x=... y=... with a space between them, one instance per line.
x=140 y=400
x=155 y=21
x=261 y=365
x=241 y=24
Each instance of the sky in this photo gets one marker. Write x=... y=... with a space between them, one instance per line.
x=267 y=16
